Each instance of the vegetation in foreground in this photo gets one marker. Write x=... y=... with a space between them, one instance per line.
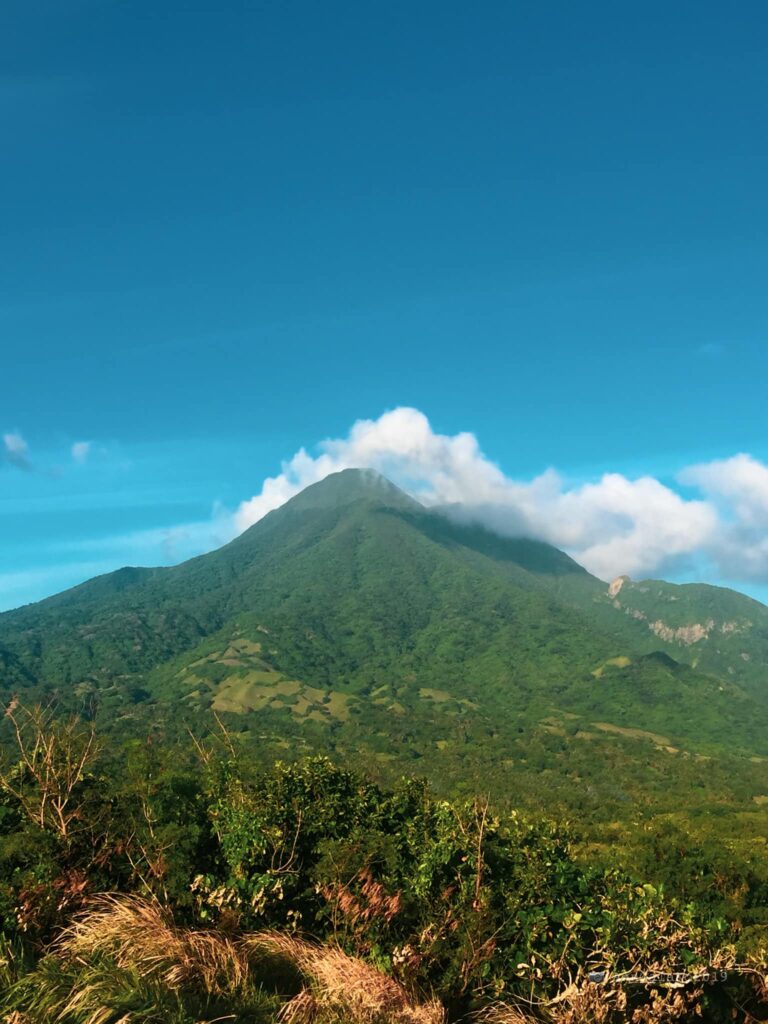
x=306 y=893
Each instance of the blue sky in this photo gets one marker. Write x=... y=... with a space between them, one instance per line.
x=231 y=230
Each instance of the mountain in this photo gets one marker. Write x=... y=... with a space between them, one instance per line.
x=354 y=620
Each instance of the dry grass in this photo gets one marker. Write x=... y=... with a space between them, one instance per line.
x=328 y=985
x=139 y=935
x=338 y=985
x=502 y=1013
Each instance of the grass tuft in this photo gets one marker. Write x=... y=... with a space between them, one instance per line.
x=341 y=986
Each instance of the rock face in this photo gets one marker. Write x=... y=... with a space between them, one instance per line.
x=682 y=634
x=686 y=634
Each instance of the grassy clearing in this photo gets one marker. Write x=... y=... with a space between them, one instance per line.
x=635 y=734
x=440 y=696
x=621 y=662
x=242 y=694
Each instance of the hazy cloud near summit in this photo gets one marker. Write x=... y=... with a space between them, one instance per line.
x=611 y=525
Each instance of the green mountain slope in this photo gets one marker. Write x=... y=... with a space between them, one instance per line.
x=355 y=621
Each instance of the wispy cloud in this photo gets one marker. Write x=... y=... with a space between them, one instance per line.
x=611 y=525
x=16 y=451
x=80 y=451
x=164 y=544
x=712 y=350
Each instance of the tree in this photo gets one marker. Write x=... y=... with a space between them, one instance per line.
x=55 y=758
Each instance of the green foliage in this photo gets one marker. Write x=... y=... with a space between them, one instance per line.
x=452 y=897
x=448 y=895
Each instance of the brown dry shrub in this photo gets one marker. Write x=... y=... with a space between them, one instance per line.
x=587 y=1003
x=370 y=902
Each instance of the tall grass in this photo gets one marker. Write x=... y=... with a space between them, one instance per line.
x=124 y=961
x=136 y=933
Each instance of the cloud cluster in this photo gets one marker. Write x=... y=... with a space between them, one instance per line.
x=612 y=525
x=738 y=489
x=15 y=451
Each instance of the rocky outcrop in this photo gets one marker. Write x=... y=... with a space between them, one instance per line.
x=682 y=634
x=691 y=633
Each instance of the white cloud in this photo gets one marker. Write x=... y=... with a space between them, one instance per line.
x=612 y=525
x=738 y=488
x=81 y=450
x=400 y=444
x=16 y=450
x=741 y=481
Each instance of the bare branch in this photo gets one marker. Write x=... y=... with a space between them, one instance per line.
x=54 y=758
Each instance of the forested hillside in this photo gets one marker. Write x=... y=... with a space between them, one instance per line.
x=355 y=622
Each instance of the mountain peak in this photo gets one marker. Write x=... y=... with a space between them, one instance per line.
x=350 y=485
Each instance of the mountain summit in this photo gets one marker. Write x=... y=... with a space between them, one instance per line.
x=350 y=485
